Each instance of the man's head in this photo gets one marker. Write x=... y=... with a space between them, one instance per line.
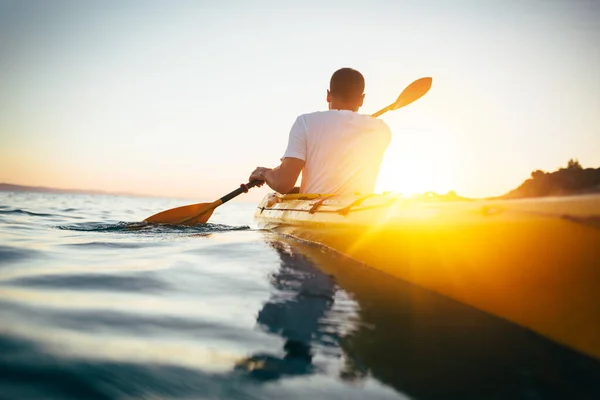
x=346 y=89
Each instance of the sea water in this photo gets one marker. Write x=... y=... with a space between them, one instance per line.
x=95 y=304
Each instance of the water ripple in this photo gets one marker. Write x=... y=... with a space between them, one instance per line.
x=144 y=227
x=10 y=254
x=127 y=323
x=23 y=362
x=18 y=211
x=109 y=245
x=126 y=283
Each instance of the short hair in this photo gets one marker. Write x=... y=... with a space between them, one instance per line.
x=347 y=83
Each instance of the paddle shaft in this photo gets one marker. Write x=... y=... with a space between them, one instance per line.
x=238 y=191
x=382 y=111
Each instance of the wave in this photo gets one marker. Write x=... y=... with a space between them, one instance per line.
x=19 y=211
x=11 y=254
x=144 y=227
x=67 y=377
x=106 y=245
x=138 y=283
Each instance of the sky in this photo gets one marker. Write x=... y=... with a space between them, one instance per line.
x=186 y=98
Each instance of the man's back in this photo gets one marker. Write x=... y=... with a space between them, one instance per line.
x=337 y=151
x=342 y=151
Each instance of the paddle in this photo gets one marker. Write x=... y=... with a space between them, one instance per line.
x=196 y=213
x=200 y=213
x=411 y=93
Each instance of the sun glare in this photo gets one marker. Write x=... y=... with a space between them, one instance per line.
x=401 y=176
x=419 y=163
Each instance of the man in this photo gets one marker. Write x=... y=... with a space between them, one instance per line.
x=338 y=151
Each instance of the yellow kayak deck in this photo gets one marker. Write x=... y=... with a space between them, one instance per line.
x=535 y=262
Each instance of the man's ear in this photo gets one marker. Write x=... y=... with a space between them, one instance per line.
x=328 y=96
x=362 y=98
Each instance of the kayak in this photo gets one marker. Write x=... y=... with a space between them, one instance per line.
x=534 y=262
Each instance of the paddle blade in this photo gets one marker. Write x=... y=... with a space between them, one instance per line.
x=192 y=214
x=413 y=92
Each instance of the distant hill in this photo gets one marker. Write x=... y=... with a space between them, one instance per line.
x=433 y=196
x=572 y=180
x=7 y=187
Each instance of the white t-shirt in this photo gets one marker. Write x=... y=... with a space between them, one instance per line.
x=342 y=151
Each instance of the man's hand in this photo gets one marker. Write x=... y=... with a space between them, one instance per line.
x=282 y=178
x=259 y=174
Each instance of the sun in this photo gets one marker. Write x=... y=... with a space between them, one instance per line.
x=406 y=177
x=415 y=166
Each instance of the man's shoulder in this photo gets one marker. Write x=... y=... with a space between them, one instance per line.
x=333 y=114
x=336 y=116
x=313 y=115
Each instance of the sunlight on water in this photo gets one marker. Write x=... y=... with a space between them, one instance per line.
x=70 y=344
x=95 y=304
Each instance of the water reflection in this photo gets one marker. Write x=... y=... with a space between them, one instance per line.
x=413 y=340
x=303 y=296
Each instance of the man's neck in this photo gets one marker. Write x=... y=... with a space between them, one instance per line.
x=342 y=107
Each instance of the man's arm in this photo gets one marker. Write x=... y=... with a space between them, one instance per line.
x=282 y=178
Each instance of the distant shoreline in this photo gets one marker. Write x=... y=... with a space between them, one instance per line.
x=9 y=187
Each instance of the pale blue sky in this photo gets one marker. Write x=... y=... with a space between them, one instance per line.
x=185 y=98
